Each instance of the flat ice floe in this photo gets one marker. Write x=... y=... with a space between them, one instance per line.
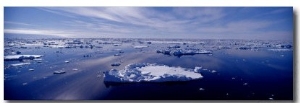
x=279 y=50
x=19 y=57
x=146 y=72
x=181 y=52
x=140 y=46
x=19 y=64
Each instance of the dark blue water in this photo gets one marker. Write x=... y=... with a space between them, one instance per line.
x=267 y=74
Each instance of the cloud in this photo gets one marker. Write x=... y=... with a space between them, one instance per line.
x=178 y=22
x=200 y=14
x=127 y=15
x=16 y=23
x=37 y=32
x=243 y=26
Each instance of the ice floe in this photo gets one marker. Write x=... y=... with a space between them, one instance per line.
x=59 y=72
x=201 y=89
x=146 y=72
x=19 y=64
x=180 y=52
x=279 y=50
x=140 y=47
x=21 y=57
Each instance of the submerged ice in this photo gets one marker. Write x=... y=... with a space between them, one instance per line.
x=146 y=72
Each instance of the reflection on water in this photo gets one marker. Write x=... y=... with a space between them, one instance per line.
x=239 y=74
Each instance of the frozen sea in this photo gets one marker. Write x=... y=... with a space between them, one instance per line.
x=235 y=70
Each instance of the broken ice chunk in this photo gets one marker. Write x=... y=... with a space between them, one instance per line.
x=213 y=71
x=31 y=69
x=201 y=89
x=67 y=61
x=59 y=72
x=197 y=69
x=75 y=69
x=24 y=83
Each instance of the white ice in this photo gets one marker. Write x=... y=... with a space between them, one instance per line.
x=11 y=57
x=279 y=50
x=140 y=47
x=19 y=64
x=145 y=72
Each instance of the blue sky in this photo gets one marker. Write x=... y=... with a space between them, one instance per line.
x=152 y=22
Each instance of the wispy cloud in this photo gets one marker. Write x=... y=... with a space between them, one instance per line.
x=236 y=27
x=155 y=22
x=38 y=32
x=16 y=23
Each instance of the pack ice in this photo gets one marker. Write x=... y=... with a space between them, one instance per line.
x=146 y=72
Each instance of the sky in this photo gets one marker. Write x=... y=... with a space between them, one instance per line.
x=267 y=23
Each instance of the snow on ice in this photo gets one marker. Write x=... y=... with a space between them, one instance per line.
x=21 y=57
x=146 y=72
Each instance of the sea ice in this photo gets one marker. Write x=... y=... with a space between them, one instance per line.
x=279 y=50
x=19 y=64
x=31 y=69
x=180 y=52
x=213 y=71
x=59 y=72
x=21 y=57
x=145 y=72
x=140 y=47
x=197 y=69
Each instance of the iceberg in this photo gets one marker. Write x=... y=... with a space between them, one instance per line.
x=146 y=72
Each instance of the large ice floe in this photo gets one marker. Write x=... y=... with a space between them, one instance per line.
x=146 y=72
x=180 y=52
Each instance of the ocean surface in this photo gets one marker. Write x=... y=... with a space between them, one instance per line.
x=255 y=73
